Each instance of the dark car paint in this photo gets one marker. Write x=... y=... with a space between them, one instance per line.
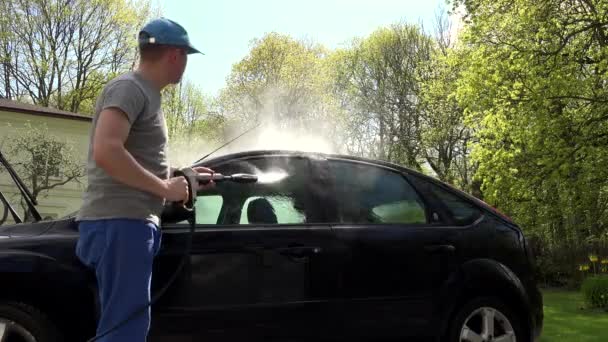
x=237 y=279
x=43 y=270
x=354 y=282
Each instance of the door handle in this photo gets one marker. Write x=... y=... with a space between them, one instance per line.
x=300 y=251
x=440 y=248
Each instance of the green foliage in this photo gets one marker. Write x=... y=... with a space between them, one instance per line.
x=390 y=95
x=595 y=291
x=445 y=138
x=533 y=92
x=280 y=79
x=283 y=83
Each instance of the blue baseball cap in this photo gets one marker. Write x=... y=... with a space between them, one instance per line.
x=163 y=31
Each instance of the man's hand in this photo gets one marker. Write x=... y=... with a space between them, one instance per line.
x=177 y=189
x=204 y=170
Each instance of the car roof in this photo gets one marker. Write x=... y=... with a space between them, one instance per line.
x=296 y=153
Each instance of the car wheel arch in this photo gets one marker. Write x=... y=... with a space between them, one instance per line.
x=54 y=289
x=479 y=278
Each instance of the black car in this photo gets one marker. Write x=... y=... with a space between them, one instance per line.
x=322 y=247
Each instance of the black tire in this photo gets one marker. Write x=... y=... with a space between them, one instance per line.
x=26 y=319
x=458 y=319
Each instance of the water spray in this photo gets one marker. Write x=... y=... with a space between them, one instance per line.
x=271 y=176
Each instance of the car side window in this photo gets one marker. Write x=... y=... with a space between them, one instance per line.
x=369 y=194
x=462 y=212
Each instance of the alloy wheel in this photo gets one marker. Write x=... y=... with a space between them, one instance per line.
x=487 y=324
x=11 y=331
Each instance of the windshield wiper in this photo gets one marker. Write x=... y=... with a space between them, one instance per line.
x=29 y=199
x=10 y=208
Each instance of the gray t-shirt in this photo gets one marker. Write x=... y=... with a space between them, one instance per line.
x=105 y=197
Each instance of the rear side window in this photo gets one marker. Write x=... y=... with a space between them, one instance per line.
x=369 y=194
x=463 y=212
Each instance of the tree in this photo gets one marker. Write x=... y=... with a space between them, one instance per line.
x=43 y=161
x=282 y=82
x=193 y=125
x=377 y=85
x=445 y=138
x=59 y=53
x=7 y=47
x=534 y=90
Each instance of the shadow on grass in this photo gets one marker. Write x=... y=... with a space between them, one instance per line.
x=567 y=320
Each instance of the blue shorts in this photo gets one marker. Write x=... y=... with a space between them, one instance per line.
x=121 y=252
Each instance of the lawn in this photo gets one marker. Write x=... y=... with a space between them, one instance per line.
x=566 y=320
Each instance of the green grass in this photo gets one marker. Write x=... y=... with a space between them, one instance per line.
x=567 y=320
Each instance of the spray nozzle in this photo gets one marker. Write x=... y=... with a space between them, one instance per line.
x=218 y=177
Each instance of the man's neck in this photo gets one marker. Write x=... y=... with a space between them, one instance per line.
x=150 y=74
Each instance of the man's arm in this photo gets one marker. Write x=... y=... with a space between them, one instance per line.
x=110 y=154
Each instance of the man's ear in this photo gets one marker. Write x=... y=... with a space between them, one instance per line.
x=173 y=55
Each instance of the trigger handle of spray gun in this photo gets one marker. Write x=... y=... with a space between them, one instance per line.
x=191 y=177
x=206 y=178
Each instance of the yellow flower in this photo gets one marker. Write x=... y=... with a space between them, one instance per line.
x=604 y=261
x=593 y=257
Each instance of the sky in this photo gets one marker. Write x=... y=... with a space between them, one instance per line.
x=223 y=29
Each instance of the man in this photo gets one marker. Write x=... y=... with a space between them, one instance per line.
x=129 y=180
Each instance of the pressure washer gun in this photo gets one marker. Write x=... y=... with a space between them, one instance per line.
x=195 y=180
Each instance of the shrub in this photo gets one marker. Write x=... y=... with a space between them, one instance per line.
x=595 y=291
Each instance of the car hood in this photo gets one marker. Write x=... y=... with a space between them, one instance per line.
x=25 y=229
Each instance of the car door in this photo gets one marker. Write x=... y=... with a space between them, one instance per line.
x=261 y=263
x=218 y=282
x=398 y=250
